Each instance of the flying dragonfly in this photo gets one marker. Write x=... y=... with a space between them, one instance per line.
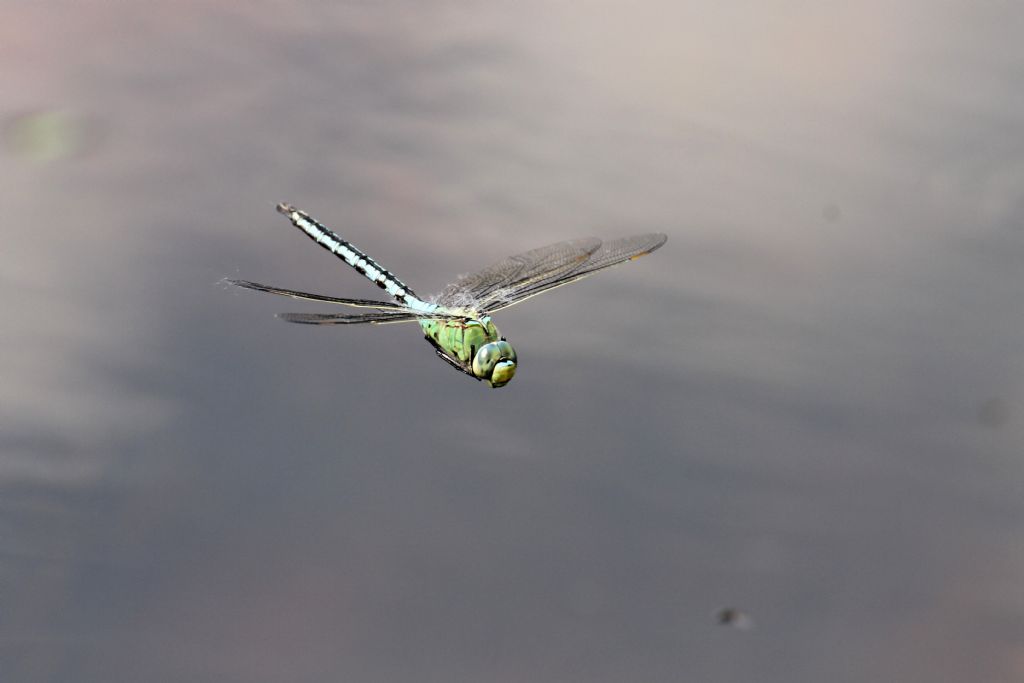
x=457 y=322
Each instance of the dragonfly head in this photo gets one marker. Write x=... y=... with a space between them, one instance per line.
x=495 y=363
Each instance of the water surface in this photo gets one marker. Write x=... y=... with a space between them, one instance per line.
x=807 y=406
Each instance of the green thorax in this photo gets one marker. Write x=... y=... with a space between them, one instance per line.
x=461 y=339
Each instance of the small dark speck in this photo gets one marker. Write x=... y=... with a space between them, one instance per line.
x=730 y=616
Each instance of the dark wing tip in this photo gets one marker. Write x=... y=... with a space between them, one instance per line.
x=285 y=208
x=300 y=318
x=244 y=283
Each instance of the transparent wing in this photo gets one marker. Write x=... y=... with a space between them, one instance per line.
x=306 y=296
x=380 y=318
x=610 y=254
x=514 y=272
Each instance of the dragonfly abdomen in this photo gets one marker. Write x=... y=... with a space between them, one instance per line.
x=353 y=256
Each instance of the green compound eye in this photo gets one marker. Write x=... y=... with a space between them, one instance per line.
x=507 y=352
x=485 y=359
x=495 y=362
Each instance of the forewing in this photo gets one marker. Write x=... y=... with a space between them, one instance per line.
x=380 y=318
x=476 y=289
x=610 y=254
x=306 y=296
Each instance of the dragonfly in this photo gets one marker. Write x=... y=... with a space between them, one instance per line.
x=457 y=322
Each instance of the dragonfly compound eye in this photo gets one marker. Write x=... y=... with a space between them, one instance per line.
x=495 y=362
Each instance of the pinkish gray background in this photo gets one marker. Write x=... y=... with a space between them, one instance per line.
x=808 y=406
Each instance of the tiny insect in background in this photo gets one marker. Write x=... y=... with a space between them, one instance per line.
x=730 y=616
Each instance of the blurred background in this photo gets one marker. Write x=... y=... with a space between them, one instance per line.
x=808 y=407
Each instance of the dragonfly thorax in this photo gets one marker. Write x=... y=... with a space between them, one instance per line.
x=475 y=346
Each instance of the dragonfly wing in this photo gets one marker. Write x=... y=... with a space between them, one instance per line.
x=379 y=318
x=610 y=254
x=472 y=291
x=306 y=296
